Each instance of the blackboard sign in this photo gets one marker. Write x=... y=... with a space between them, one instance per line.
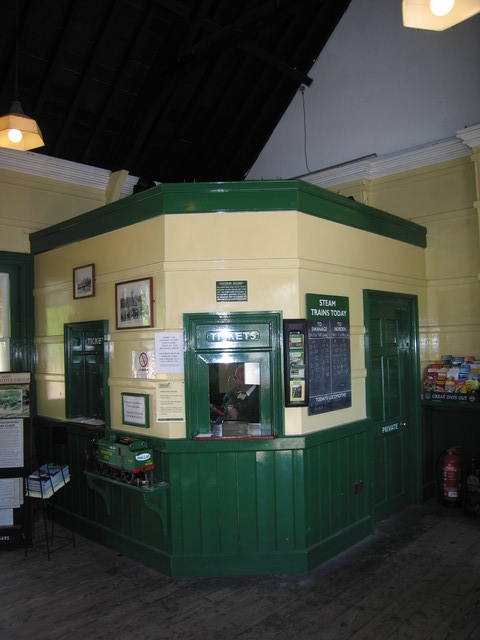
x=329 y=367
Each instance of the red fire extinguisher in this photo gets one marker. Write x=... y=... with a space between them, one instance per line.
x=450 y=481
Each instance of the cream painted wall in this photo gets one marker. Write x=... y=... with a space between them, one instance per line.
x=444 y=198
x=339 y=260
x=283 y=255
x=29 y=203
x=118 y=256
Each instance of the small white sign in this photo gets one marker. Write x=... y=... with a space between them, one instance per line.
x=143 y=364
x=170 y=401
x=169 y=352
x=11 y=443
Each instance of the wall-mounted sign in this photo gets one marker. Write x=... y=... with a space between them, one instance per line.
x=143 y=364
x=232 y=336
x=330 y=383
x=232 y=291
x=295 y=363
x=170 y=401
x=135 y=410
x=169 y=352
x=11 y=443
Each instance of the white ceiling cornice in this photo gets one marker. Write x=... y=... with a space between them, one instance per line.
x=373 y=167
x=470 y=135
x=37 y=164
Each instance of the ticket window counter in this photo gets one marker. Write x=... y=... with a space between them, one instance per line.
x=233 y=375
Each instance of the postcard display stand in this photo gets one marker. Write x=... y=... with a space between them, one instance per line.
x=15 y=448
x=25 y=485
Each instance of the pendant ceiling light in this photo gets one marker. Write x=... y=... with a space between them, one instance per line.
x=17 y=130
x=437 y=15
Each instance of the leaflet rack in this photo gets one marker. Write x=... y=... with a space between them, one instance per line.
x=41 y=487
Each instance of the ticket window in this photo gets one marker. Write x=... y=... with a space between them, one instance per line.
x=239 y=398
x=234 y=385
x=235 y=391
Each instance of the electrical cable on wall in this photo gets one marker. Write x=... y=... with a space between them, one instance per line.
x=302 y=91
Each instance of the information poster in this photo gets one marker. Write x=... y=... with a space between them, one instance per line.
x=11 y=443
x=330 y=380
x=169 y=352
x=171 y=401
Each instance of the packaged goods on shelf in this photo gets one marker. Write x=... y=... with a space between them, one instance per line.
x=455 y=378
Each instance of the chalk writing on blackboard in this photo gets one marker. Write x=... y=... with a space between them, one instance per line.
x=328 y=353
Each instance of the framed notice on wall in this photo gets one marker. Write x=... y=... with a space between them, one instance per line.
x=135 y=409
x=295 y=363
x=330 y=380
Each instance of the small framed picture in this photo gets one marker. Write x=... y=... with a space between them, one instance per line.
x=134 y=304
x=84 y=281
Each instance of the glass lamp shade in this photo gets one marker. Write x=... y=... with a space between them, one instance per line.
x=418 y=14
x=18 y=131
x=441 y=7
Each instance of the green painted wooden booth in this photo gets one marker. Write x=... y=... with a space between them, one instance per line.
x=279 y=504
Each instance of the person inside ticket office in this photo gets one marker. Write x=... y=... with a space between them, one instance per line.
x=242 y=402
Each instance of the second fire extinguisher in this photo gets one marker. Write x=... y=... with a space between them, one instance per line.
x=450 y=478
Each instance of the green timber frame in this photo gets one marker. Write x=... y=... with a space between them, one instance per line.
x=19 y=267
x=244 y=507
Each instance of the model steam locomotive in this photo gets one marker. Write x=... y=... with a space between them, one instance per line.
x=122 y=458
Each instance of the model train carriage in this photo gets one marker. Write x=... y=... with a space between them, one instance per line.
x=123 y=458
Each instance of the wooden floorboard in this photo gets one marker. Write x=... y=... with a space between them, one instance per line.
x=416 y=578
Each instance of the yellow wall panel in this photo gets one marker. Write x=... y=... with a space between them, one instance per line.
x=282 y=255
x=50 y=392
x=50 y=355
x=443 y=198
x=233 y=235
x=446 y=186
x=29 y=203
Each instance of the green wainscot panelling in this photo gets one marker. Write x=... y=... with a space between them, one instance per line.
x=243 y=507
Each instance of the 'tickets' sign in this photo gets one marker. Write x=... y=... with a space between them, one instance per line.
x=330 y=382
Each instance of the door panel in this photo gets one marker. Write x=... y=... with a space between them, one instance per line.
x=86 y=370
x=391 y=384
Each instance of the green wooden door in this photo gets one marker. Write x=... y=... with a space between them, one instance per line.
x=393 y=400
x=86 y=370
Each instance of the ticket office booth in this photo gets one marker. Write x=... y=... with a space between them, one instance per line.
x=233 y=372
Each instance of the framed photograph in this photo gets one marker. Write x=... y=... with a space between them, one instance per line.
x=84 y=281
x=134 y=304
x=135 y=409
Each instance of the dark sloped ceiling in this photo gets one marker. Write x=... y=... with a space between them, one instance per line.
x=170 y=90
